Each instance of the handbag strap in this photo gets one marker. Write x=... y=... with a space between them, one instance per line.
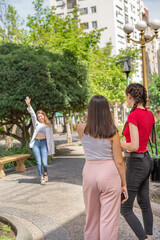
x=153 y=135
x=151 y=146
x=155 y=138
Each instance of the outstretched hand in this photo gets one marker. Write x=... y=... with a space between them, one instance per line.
x=28 y=100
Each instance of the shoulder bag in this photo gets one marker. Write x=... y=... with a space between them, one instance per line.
x=155 y=174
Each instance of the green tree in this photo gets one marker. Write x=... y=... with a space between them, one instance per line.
x=55 y=82
x=58 y=34
x=154 y=91
x=105 y=74
x=10 y=26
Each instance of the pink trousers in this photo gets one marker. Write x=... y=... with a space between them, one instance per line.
x=102 y=193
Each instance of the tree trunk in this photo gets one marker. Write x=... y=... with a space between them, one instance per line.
x=116 y=113
x=65 y=120
x=68 y=129
x=54 y=125
x=8 y=139
x=69 y=135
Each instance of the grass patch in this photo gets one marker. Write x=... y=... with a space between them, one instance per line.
x=6 y=232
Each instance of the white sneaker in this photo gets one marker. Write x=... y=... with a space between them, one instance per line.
x=43 y=182
x=45 y=178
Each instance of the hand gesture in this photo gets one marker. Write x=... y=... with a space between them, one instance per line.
x=28 y=100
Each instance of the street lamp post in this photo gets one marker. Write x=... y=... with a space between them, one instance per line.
x=141 y=26
x=126 y=66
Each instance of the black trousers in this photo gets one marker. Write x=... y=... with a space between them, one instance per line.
x=137 y=175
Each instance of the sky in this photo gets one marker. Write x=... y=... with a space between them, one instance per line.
x=25 y=7
x=153 y=7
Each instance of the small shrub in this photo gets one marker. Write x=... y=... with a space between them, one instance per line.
x=18 y=150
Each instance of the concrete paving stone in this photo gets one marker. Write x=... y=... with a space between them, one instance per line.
x=57 y=209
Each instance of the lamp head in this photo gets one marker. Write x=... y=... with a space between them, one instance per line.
x=126 y=64
x=155 y=24
x=141 y=25
x=128 y=28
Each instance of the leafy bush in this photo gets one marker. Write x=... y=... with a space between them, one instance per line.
x=29 y=162
x=4 y=231
x=18 y=150
x=157 y=127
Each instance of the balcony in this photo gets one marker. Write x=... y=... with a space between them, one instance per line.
x=71 y=4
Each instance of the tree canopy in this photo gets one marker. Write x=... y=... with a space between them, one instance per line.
x=105 y=73
x=55 y=82
x=154 y=91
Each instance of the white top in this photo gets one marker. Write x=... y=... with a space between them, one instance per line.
x=97 y=149
x=42 y=130
x=37 y=127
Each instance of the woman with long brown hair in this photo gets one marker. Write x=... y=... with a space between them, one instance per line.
x=42 y=142
x=104 y=172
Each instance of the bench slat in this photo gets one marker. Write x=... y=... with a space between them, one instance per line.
x=13 y=158
x=20 y=158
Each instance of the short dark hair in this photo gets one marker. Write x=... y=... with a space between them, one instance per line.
x=99 y=121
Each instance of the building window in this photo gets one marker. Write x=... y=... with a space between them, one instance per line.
x=84 y=25
x=126 y=19
x=119 y=24
x=71 y=4
x=120 y=39
x=93 y=9
x=126 y=9
x=61 y=15
x=83 y=11
x=94 y=24
x=134 y=9
x=118 y=11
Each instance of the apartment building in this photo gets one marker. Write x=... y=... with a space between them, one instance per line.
x=158 y=55
x=113 y=14
x=151 y=47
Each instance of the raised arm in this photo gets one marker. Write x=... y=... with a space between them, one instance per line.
x=120 y=163
x=31 y=111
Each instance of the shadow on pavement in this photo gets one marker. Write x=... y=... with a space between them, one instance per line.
x=62 y=170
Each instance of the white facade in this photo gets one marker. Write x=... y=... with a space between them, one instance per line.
x=113 y=14
x=151 y=53
x=158 y=55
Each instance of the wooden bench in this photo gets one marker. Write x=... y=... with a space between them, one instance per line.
x=20 y=158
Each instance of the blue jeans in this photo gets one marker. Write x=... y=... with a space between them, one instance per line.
x=40 y=151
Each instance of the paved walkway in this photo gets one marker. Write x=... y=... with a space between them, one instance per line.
x=56 y=211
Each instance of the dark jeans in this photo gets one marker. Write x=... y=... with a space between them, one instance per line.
x=137 y=175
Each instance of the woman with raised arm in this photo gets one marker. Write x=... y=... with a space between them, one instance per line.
x=104 y=172
x=139 y=164
x=42 y=142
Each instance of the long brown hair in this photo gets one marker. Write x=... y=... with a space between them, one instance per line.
x=99 y=121
x=46 y=120
x=139 y=94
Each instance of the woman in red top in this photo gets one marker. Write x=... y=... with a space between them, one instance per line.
x=138 y=162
